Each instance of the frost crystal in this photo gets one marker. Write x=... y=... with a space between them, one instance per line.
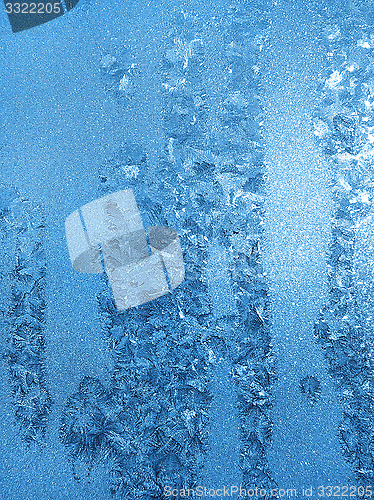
x=22 y=232
x=209 y=187
x=344 y=328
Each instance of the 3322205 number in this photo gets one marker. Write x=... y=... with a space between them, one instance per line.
x=33 y=8
x=344 y=491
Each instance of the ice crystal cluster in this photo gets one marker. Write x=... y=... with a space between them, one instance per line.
x=343 y=125
x=311 y=387
x=208 y=186
x=120 y=76
x=22 y=233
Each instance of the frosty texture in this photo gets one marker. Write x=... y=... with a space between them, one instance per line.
x=22 y=231
x=120 y=76
x=208 y=186
x=343 y=126
x=311 y=387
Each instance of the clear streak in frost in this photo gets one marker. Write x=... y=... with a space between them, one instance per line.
x=305 y=447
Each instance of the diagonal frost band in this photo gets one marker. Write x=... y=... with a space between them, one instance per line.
x=113 y=224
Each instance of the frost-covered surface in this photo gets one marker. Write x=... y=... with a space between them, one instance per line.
x=212 y=115
x=305 y=448
x=23 y=324
x=159 y=382
x=170 y=354
x=311 y=387
x=55 y=133
x=343 y=126
x=186 y=87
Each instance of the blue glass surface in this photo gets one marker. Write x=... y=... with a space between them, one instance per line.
x=246 y=126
